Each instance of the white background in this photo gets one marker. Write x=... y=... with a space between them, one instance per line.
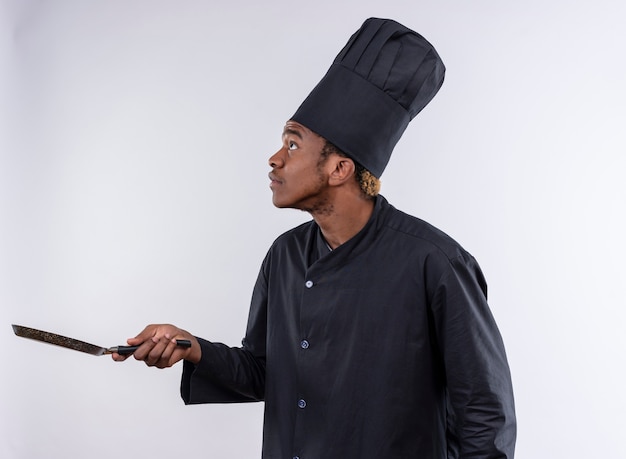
x=133 y=189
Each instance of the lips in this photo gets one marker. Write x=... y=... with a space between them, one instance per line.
x=274 y=180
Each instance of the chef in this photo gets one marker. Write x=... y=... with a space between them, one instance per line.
x=369 y=334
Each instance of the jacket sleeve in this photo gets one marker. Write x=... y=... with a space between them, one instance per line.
x=231 y=374
x=481 y=413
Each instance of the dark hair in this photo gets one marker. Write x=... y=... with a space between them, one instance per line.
x=369 y=184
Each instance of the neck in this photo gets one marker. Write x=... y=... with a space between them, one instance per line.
x=344 y=218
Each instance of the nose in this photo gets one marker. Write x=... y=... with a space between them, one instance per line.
x=277 y=159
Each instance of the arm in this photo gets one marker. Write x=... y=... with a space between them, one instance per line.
x=226 y=374
x=212 y=372
x=481 y=414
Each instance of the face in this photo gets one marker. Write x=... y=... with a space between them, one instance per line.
x=298 y=178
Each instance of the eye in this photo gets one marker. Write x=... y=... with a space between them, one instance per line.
x=291 y=145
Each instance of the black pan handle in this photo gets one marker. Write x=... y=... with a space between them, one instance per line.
x=127 y=350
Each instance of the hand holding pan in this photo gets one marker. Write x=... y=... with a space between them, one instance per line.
x=77 y=345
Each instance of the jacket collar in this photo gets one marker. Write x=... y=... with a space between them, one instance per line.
x=322 y=258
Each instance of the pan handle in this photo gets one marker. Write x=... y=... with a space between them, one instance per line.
x=127 y=350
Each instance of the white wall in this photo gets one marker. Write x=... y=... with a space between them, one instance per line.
x=133 y=189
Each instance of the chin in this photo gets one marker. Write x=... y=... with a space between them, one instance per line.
x=279 y=204
x=305 y=205
x=285 y=205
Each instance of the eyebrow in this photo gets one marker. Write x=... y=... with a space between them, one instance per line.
x=292 y=132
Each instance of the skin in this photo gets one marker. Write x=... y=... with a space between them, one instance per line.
x=300 y=179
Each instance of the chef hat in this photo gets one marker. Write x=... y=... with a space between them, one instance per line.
x=381 y=79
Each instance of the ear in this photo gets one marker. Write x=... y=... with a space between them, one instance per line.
x=342 y=172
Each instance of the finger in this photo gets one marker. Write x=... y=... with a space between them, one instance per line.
x=147 y=333
x=145 y=348
x=171 y=354
x=117 y=357
x=155 y=355
x=193 y=353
